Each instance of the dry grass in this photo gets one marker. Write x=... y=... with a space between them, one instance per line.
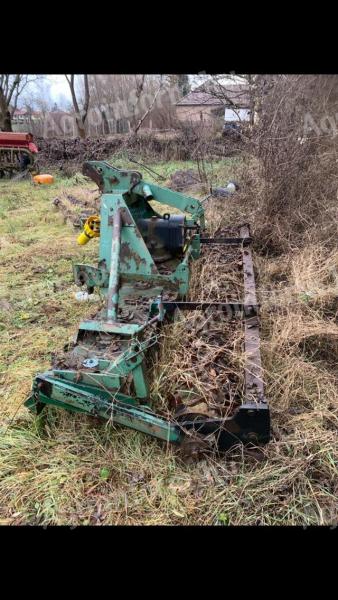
x=69 y=469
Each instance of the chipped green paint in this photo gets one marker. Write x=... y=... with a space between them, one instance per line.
x=124 y=263
x=48 y=390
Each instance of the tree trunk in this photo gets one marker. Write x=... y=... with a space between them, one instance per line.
x=80 y=115
x=5 y=122
x=5 y=116
x=9 y=90
x=81 y=128
x=251 y=100
x=8 y=122
x=106 y=129
x=135 y=130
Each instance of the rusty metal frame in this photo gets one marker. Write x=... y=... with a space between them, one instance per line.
x=230 y=241
x=253 y=368
x=250 y=423
x=230 y=308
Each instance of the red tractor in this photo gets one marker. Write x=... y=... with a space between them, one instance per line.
x=17 y=154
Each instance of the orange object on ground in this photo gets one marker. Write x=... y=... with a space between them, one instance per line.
x=43 y=179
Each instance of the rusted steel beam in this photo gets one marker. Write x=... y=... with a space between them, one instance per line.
x=231 y=241
x=254 y=386
x=231 y=308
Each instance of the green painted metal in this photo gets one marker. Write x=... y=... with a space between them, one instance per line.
x=125 y=264
x=184 y=203
x=106 y=326
x=92 y=379
x=113 y=294
x=51 y=391
x=127 y=258
x=109 y=374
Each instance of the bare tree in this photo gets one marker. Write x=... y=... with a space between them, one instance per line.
x=80 y=115
x=150 y=107
x=11 y=88
x=295 y=142
x=139 y=85
x=39 y=98
x=181 y=81
x=235 y=92
x=222 y=87
x=98 y=100
x=122 y=103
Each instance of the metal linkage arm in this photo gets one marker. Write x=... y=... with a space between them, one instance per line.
x=110 y=179
x=62 y=394
x=163 y=195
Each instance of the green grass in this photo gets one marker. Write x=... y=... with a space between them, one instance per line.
x=218 y=171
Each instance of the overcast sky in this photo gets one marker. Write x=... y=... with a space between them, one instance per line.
x=59 y=89
x=59 y=86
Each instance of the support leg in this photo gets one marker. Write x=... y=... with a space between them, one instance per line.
x=113 y=290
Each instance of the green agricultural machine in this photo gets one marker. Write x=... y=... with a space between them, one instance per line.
x=143 y=275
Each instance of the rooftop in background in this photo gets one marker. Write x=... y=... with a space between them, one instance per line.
x=213 y=93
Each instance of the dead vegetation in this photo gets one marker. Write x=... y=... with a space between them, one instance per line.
x=77 y=207
x=296 y=146
x=289 y=194
x=67 y=155
x=200 y=368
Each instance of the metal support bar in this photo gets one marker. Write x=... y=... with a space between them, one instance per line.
x=112 y=301
x=253 y=368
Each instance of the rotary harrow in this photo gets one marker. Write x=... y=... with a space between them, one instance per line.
x=143 y=275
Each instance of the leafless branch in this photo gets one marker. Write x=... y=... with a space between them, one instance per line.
x=80 y=115
x=149 y=108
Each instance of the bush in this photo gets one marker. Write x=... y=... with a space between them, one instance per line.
x=295 y=144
